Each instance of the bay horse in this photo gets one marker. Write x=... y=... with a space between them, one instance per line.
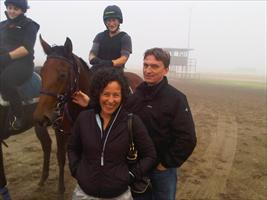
x=30 y=89
x=64 y=73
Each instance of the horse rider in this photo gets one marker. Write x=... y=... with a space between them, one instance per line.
x=112 y=47
x=17 y=39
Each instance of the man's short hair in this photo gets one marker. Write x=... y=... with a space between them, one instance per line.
x=160 y=55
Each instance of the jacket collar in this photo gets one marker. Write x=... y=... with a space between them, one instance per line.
x=149 y=91
x=122 y=115
x=18 y=19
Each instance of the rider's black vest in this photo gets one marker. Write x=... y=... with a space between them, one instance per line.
x=12 y=33
x=110 y=47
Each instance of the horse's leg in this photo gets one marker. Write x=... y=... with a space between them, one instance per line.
x=61 y=157
x=43 y=136
x=3 y=189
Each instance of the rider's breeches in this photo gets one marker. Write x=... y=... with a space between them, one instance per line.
x=13 y=75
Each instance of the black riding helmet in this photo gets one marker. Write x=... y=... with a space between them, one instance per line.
x=112 y=12
x=22 y=4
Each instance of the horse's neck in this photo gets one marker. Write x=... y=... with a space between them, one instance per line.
x=72 y=111
x=84 y=81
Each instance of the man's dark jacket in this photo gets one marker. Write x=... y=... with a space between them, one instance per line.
x=167 y=117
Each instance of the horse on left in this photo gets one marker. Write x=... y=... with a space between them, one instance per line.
x=63 y=73
x=29 y=92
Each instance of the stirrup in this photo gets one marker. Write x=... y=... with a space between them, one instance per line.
x=11 y=120
x=12 y=126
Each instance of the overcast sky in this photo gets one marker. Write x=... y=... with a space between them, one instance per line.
x=227 y=36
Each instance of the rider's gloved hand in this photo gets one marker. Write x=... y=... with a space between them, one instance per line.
x=106 y=63
x=95 y=61
x=101 y=62
x=5 y=59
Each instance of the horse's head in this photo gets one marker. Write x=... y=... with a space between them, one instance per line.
x=60 y=78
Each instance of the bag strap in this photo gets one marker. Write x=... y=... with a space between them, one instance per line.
x=132 y=155
x=130 y=129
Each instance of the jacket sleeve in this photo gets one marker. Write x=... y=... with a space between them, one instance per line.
x=183 y=136
x=74 y=148
x=126 y=45
x=96 y=43
x=145 y=147
x=30 y=36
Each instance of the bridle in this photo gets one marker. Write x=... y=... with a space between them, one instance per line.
x=65 y=97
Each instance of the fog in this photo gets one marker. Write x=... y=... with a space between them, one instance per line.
x=226 y=36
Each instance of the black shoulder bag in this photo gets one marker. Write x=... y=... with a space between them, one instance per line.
x=138 y=186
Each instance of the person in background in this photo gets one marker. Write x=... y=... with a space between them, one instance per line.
x=112 y=47
x=99 y=143
x=17 y=39
x=166 y=114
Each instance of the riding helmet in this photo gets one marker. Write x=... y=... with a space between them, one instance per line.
x=112 y=12
x=22 y=4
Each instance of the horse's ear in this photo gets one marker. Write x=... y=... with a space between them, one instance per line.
x=68 y=46
x=46 y=47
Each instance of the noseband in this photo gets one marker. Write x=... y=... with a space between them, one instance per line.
x=63 y=98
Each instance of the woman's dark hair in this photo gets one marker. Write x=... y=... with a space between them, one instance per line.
x=101 y=79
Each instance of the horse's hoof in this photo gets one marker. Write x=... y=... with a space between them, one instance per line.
x=41 y=183
x=60 y=197
x=61 y=190
x=43 y=180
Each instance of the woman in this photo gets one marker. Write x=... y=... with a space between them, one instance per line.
x=112 y=47
x=99 y=142
x=17 y=39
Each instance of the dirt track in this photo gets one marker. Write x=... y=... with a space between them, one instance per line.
x=228 y=163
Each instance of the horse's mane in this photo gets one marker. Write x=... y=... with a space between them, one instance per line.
x=84 y=64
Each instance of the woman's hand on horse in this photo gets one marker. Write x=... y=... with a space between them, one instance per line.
x=81 y=98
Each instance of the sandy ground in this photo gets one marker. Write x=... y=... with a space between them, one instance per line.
x=229 y=162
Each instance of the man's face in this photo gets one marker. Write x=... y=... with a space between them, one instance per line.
x=13 y=11
x=112 y=24
x=153 y=70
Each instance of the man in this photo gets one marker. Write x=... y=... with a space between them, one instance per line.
x=168 y=119
x=166 y=114
x=112 y=47
x=17 y=39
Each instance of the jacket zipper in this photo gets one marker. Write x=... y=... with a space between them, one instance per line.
x=100 y=126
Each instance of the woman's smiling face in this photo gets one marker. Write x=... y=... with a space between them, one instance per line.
x=110 y=98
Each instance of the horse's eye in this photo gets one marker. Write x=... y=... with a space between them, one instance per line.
x=62 y=77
